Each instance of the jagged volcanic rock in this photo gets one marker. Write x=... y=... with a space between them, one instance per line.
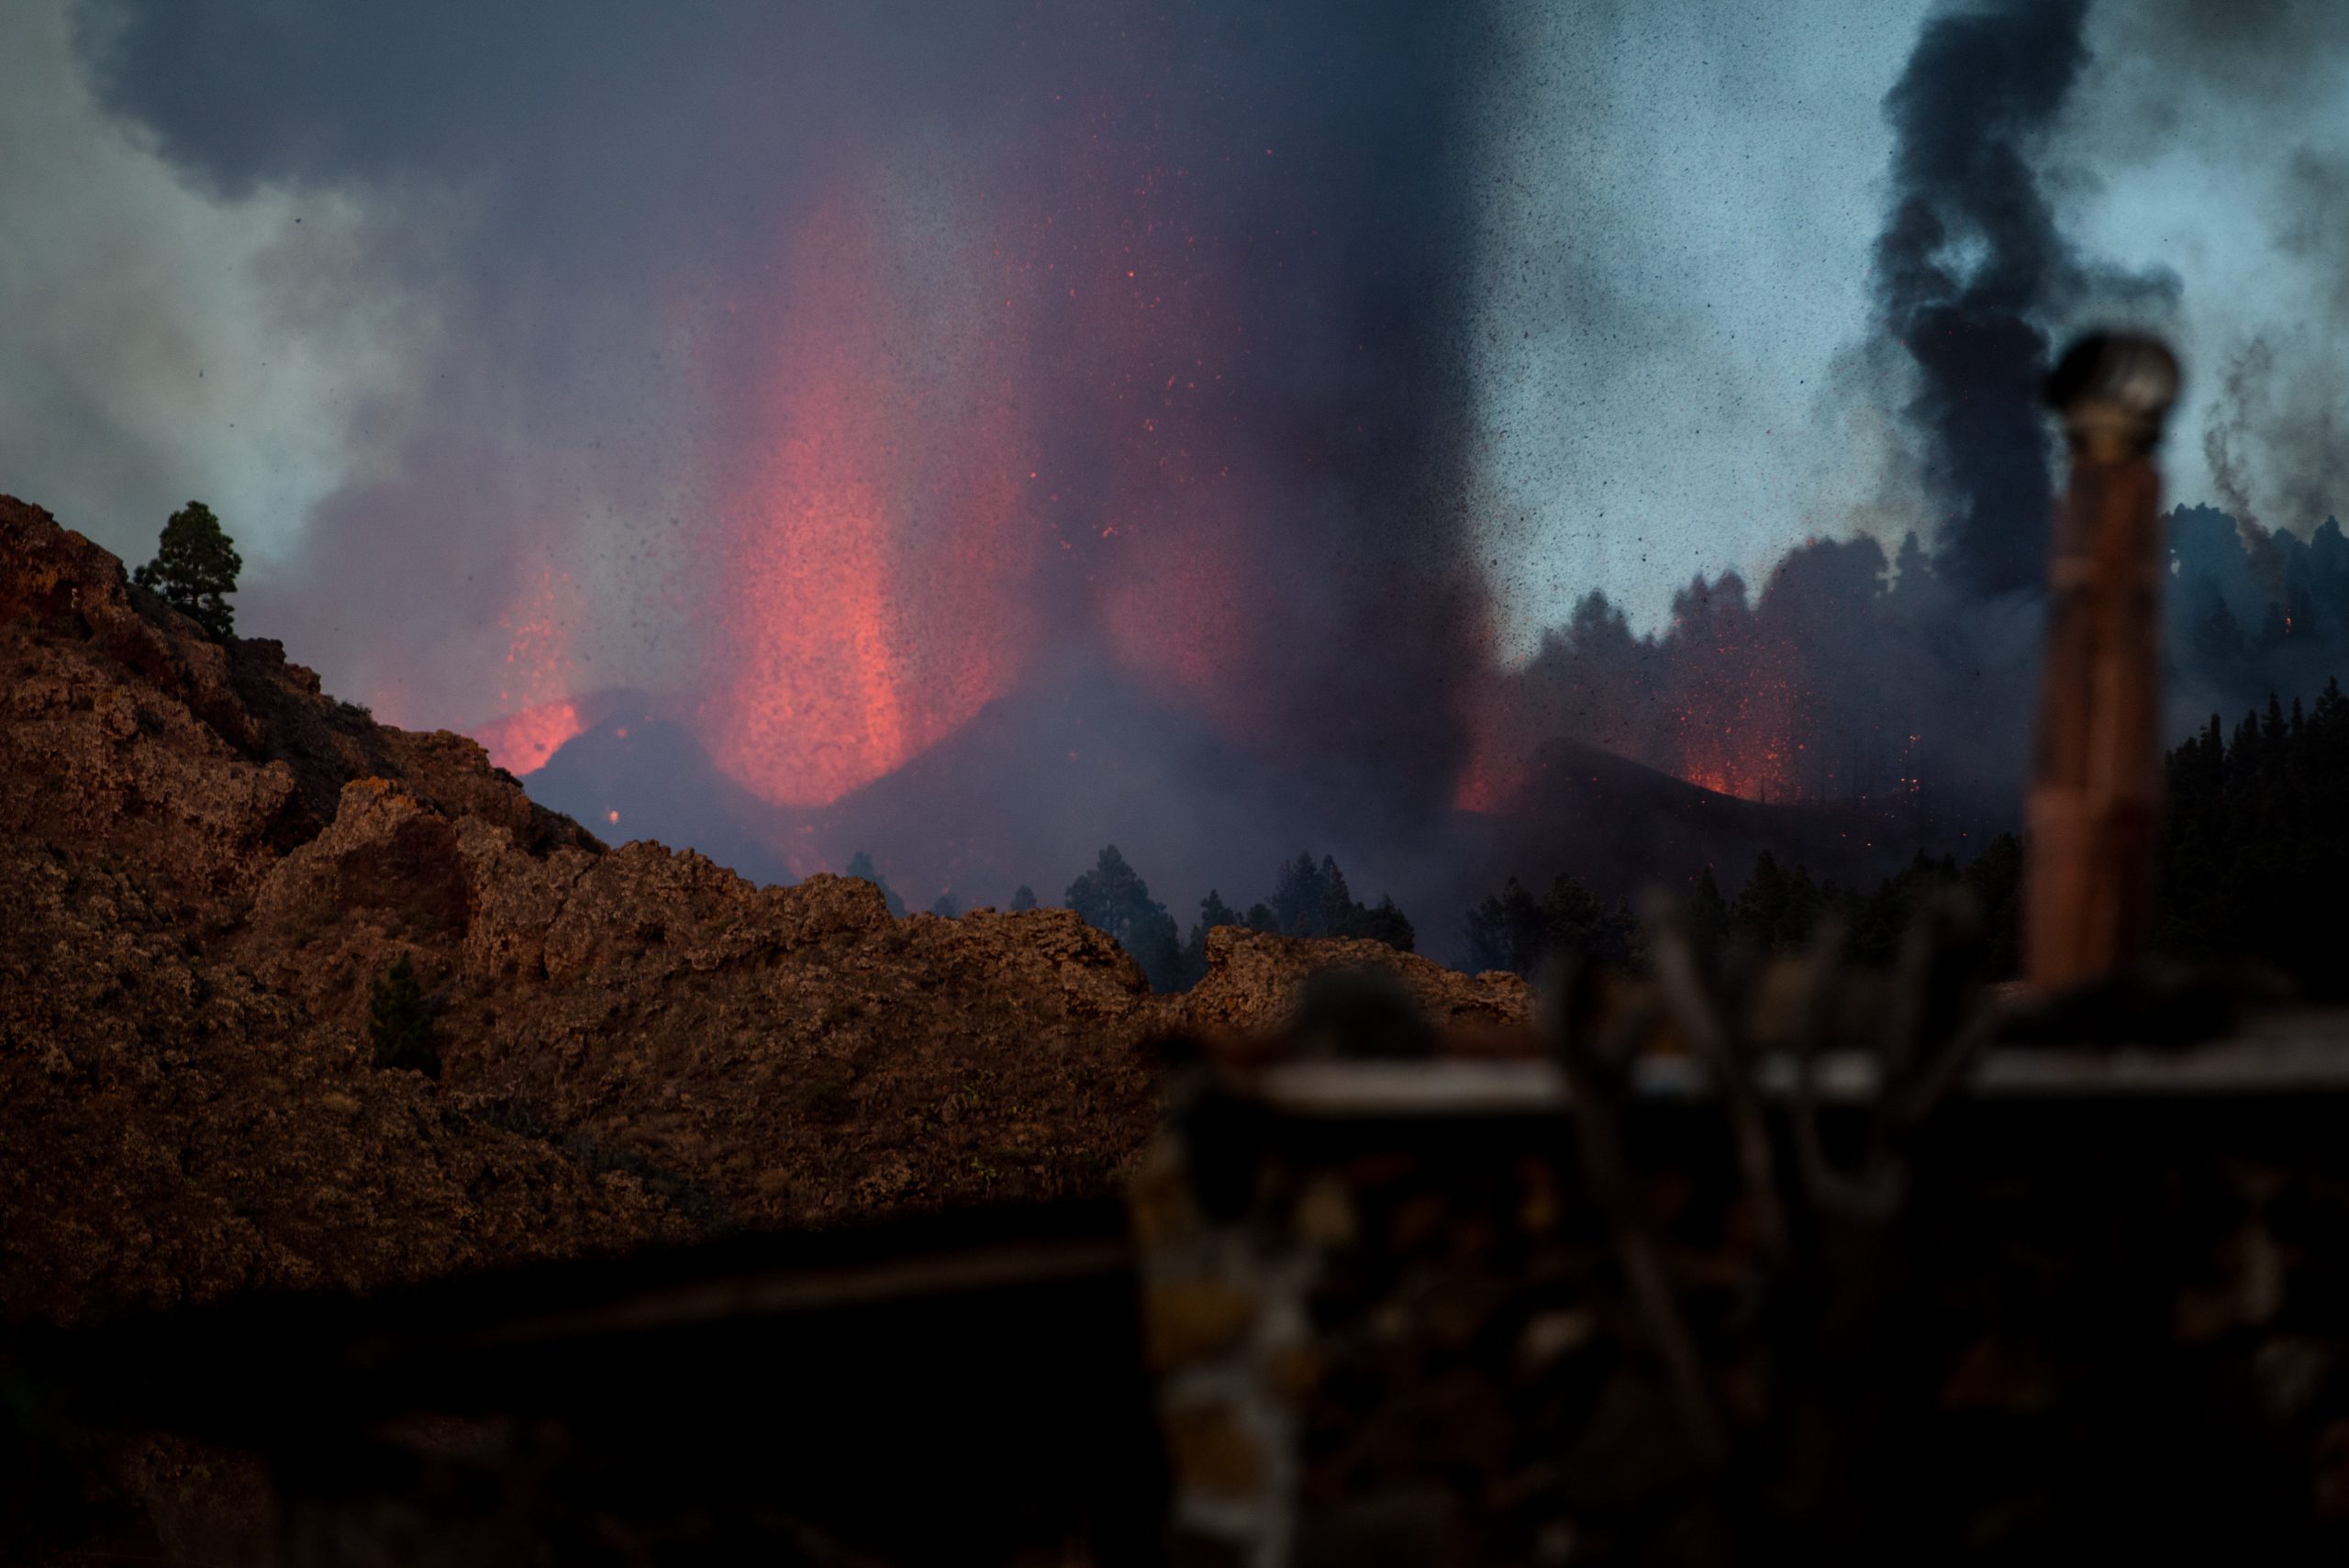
x=209 y=860
x=1255 y=981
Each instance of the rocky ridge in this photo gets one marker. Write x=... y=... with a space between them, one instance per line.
x=210 y=860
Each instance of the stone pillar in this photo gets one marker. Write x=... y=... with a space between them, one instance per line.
x=2095 y=794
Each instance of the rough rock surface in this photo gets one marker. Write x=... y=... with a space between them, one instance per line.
x=1254 y=982
x=208 y=859
x=178 y=1124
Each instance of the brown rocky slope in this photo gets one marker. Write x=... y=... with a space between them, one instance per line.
x=208 y=859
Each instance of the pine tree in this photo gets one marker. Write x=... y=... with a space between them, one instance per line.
x=1913 y=567
x=194 y=568
x=1297 y=897
x=1338 y=906
x=1506 y=931
x=1385 y=923
x=1572 y=916
x=1517 y=931
x=399 y=1025
x=1023 y=898
x=1213 y=912
x=1113 y=899
x=1779 y=904
x=1708 y=910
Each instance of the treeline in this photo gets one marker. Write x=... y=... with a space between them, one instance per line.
x=2256 y=850
x=1779 y=907
x=1308 y=899
x=1845 y=674
x=2253 y=865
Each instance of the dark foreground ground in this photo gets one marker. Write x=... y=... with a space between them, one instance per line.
x=1378 y=1313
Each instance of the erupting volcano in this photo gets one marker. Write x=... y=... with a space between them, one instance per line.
x=1176 y=414
x=1139 y=386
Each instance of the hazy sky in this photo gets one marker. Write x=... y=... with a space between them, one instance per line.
x=1671 y=328
x=157 y=343
x=1682 y=202
x=1680 y=207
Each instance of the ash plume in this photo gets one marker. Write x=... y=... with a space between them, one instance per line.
x=1968 y=264
x=889 y=350
x=1851 y=676
x=2227 y=436
x=1081 y=391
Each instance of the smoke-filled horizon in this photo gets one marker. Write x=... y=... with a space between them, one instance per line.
x=1850 y=675
x=928 y=344
x=820 y=378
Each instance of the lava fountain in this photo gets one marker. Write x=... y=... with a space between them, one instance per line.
x=871 y=484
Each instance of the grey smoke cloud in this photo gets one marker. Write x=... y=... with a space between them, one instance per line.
x=616 y=193
x=154 y=343
x=2050 y=167
x=1554 y=298
x=2212 y=139
x=1971 y=264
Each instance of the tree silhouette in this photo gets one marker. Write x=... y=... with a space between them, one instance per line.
x=1213 y=912
x=1779 y=904
x=1113 y=899
x=1516 y=931
x=1383 y=923
x=1312 y=899
x=1297 y=898
x=2255 y=846
x=859 y=864
x=194 y=568
x=1338 y=906
x=399 y=1023
x=1708 y=910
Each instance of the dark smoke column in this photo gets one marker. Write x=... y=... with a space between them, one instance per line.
x=2093 y=799
x=1968 y=259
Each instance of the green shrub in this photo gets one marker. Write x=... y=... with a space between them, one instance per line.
x=399 y=1023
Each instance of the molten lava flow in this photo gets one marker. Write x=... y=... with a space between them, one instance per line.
x=929 y=449
x=981 y=397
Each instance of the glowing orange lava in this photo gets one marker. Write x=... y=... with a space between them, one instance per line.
x=866 y=512
x=521 y=742
x=539 y=715
x=1498 y=760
